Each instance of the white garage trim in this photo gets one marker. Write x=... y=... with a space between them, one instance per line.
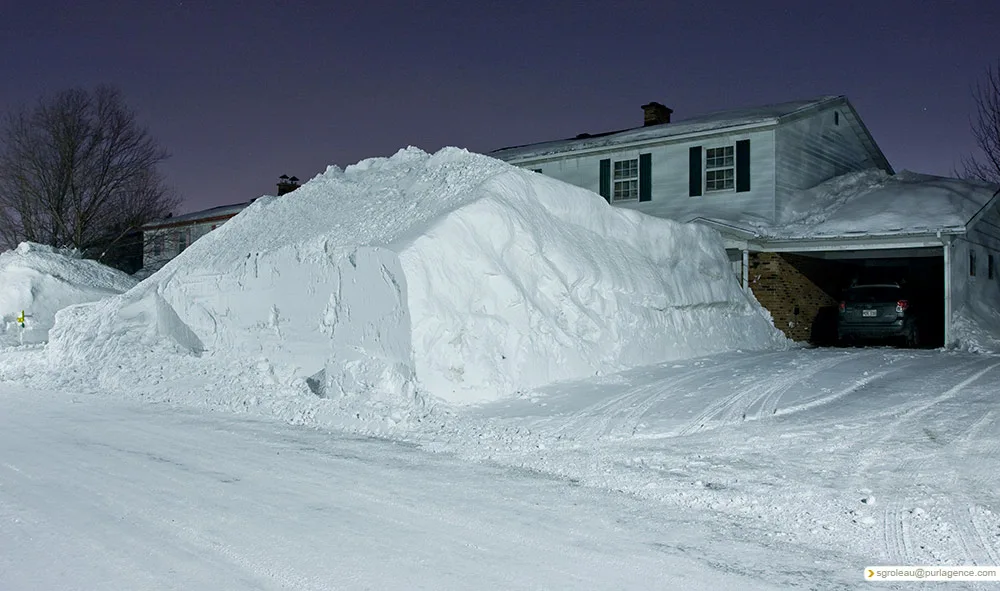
x=947 y=293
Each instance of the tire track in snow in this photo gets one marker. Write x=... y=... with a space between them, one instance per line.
x=896 y=536
x=980 y=439
x=984 y=536
x=621 y=414
x=950 y=393
x=733 y=408
x=973 y=537
x=850 y=389
x=862 y=460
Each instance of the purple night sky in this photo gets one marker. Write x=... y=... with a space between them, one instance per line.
x=241 y=92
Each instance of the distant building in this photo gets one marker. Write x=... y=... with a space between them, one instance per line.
x=164 y=239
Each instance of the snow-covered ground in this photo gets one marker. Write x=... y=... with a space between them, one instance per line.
x=788 y=469
x=99 y=495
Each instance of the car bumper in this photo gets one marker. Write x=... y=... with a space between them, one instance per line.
x=872 y=331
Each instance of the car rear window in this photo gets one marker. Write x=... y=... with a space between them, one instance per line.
x=874 y=293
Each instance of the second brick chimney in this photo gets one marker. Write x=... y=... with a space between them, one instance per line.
x=287 y=184
x=655 y=114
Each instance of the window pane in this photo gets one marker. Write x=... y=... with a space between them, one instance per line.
x=626 y=169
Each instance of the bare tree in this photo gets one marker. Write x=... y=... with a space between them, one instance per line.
x=78 y=170
x=986 y=129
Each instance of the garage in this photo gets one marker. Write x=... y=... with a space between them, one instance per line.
x=803 y=290
x=939 y=238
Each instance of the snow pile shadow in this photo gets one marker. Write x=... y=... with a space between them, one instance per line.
x=41 y=280
x=452 y=274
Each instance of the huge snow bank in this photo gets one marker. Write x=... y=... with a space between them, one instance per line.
x=40 y=280
x=452 y=273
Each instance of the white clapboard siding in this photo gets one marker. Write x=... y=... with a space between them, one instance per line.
x=983 y=238
x=813 y=149
x=670 y=180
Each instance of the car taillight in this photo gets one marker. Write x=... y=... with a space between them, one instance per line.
x=902 y=305
x=843 y=306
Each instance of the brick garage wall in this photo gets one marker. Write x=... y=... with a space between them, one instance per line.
x=786 y=283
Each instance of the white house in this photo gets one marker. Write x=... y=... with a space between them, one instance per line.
x=166 y=238
x=784 y=184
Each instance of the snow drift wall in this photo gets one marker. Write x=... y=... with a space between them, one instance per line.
x=41 y=280
x=453 y=273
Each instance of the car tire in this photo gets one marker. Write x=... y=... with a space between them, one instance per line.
x=913 y=338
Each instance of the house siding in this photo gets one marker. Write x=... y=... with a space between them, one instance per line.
x=172 y=243
x=669 y=176
x=816 y=148
x=983 y=238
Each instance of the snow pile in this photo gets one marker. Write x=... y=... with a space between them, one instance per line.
x=976 y=328
x=41 y=280
x=453 y=274
x=875 y=202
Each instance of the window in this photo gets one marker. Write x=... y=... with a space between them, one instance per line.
x=720 y=169
x=157 y=245
x=538 y=170
x=626 y=180
x=183 y=239
x=990 y=270
x=972 y=263
x=836 y=118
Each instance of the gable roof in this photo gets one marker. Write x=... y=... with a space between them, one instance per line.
x=720 y=121
x=195 y=217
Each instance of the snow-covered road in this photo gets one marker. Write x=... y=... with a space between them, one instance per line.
x=790 y=469
x=99 y=494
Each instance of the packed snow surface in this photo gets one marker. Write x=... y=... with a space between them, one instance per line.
x=40 y=280
x=453 y=273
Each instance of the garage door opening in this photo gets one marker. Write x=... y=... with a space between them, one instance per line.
x=803 y=290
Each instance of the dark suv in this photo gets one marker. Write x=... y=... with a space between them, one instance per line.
x=877 y=311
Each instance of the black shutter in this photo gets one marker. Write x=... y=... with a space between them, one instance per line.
x=645 y=177
x=694 y=172
x=606 y=179
x=742 y=166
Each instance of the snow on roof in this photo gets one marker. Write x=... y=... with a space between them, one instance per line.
x=717 y=121
x=452 y=274
x=41 y=280
x=196 y=216
x=874 y=202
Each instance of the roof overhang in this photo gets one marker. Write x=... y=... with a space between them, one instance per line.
x=165 y=224
x=639 y=143
x=743 y=238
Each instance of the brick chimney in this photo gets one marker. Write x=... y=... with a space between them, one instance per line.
x=655 y=114
x=287 y=184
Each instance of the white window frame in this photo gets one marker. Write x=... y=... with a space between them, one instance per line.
x=625 y=180
x=712 y=164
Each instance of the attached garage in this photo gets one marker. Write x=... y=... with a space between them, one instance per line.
x=938 y=237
